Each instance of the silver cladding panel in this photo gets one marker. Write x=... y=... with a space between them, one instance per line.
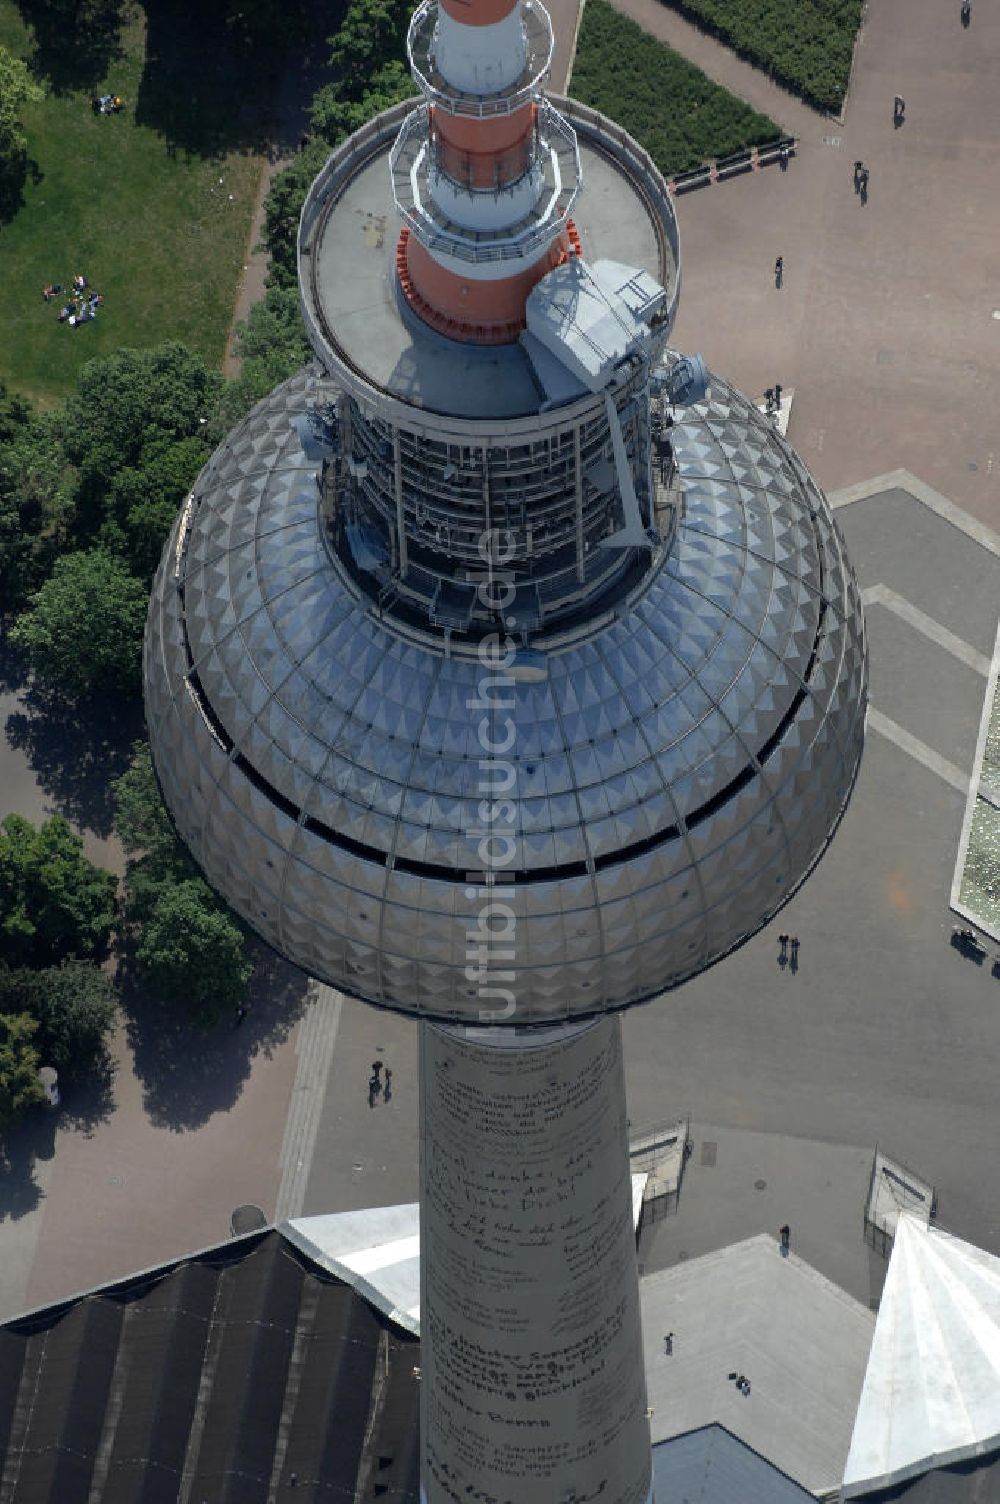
x=694 y=706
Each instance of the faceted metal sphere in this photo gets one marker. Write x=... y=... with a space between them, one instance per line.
x=675 y=776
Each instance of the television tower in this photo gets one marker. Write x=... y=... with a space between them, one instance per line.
x=505 y=669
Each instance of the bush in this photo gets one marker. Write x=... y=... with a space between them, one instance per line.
x=668 y=105
x=807 y=45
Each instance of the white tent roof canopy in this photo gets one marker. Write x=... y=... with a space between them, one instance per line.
x=931 y=1394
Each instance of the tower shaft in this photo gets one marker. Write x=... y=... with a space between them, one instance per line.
x=531 y=1348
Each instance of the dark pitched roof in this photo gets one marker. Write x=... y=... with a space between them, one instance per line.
x=228 y=1371
x=712 y=1466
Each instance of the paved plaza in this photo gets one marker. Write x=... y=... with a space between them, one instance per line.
x=886 y=1034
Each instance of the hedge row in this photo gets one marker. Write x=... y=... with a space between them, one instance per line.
x=668 y=105
x=807 y=45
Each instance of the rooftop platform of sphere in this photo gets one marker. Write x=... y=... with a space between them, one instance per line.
x=347 y=246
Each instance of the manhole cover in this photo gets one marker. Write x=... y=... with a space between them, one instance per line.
x=708 y=1152
x=760 y=1185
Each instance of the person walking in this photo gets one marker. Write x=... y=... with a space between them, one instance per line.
x=668 y=1344
x=779 y=271
x=898 y=110
x=785 y=1234
x=859 y=168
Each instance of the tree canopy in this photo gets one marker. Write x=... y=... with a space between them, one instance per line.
x=17 y=88
x=19 y=1084
x=190 y=948
x=74 y=1006
x=83 y=629
x=53 y=902
x=189 y=951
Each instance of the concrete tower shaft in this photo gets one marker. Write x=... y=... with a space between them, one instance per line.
x=531 y=1349
x=485 y=172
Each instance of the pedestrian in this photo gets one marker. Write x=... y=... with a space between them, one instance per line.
x=898 y=110
x=769 y=400
x=859 y=168
x=668 y=1344
x=376 y=1069
x=966 y=12
x=783 y=953
x=777 y=397
x=785 y=1234
x=373 y=1089
x=779 y=271
x=783 y=158
x=241 y=1014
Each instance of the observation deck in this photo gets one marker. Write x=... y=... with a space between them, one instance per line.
x=403 y=372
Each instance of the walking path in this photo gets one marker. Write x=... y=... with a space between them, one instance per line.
x=303 y=74
x=317 y=1036
x=723 y=66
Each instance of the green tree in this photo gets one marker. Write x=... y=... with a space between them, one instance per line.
x=74 y=1006
x=36 y=501
x=53 y=902
x=84 y=628
x=141 y=822
x=127 y=411
x=271 y=345
x=17 y=89
x=190 y=952
x=19 y=1084
x=190 y=947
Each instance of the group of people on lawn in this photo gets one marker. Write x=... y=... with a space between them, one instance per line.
x=81 y=304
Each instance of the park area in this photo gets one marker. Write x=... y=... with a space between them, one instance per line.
x=152 y=205
x=807 y=46
x=671 y=108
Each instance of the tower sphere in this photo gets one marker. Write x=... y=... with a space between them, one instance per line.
x=471 y=641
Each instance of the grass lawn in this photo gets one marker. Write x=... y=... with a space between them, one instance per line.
x=807 y=45
x=134 y=205
x=681 y=117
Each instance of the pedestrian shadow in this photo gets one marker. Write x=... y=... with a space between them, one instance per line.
x=187 y=1071
x=21 y=1147
x=75 y=750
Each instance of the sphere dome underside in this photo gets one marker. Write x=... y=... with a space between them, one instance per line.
x=676 y=774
